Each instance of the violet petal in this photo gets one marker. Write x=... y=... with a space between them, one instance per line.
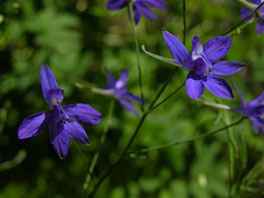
x=245 y=12
x=177 y=49
x=194 y=86
x=122 y=81
x=116 y=4
x=128 y=106
x=227 y=68
x=83 y=113
x=34 y=124
x=160 y=4
x=217 y=47
x=218 y=87
x=59 y=138
x=76 y=132
x=47 y=81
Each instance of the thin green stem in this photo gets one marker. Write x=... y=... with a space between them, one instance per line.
x=135 y=133
x=168 y=97
x=164 y=146
x=137 y=52
x=184 y=20
x=97 y=154
x=237 y=25
x=232 y=157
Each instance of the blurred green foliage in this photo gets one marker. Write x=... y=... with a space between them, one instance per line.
x=78 y=39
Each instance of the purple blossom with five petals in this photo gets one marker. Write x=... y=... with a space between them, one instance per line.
x=139 y=7
x=64 y=122
x=259 y=15
x=119 y=91
x=201 y=64
x=254 y=110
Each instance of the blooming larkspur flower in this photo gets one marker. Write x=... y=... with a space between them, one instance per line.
x=259 y=15
x=254 y=110
x=119 y=91
x=201 y=64
x=64 y=122
x=139 y=7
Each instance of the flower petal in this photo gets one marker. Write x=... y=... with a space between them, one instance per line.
x=218 y=87
x=116 y=4
x=217 y=47
x=146 y=11
x=122 y=81
x=154 y=3
x=245 y=12
x=128 y=106
x=47 y=80
x=194 y=86
x=227 y=68
x=260 y=26
x=34 y=124
x=110 y=80
x=76 y=132
x=55 y=96
x=258 y=123
x=197 y=48
x=132 y=97
x=83 y=113
x=176 y=48
x=258 y=101
x=168 y=60
x=59 y=138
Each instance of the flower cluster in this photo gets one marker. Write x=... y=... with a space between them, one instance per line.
x=202 y=63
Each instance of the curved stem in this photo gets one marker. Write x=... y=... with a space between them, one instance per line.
x=137 y=52
x=237 y=25
x=97 y=154
x=164 y=146
x=135 y=133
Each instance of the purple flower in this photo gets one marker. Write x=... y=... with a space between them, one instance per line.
x=119 y=91
x=64 y=122
x=201 y=64
x=254 y=110
x=260 y=14
x=139 y=7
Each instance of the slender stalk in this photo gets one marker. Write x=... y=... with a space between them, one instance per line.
x=184 y=20
x=237 y=25
x=135 y=133
x=168 y=97
x=137 y=52
x=160 y=147
x=97 y=154
x=232 y=158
